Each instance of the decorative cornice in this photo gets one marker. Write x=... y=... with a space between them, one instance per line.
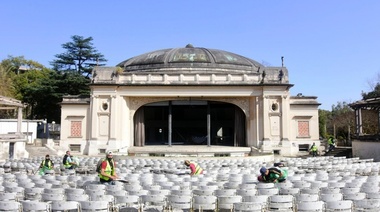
x=137 y=102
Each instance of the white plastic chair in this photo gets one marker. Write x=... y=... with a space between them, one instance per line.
x=261 y=199
x=179 y=202
x=227 y=202
x=20 y=191
x=105 y=197
x=356 y=196
x=74 y=191
x=35 y=206
x=225 y=192
x=341 y=206
x=248 y=207
x=289 y=191
x=246 y=192
x=77 y=197
x=328 y=190
x=184 y=192
x=149 y=202
x=65 y=206
x=268 y=191
x=33 y=193
x=317 y=206
x=204 y=203
x=54 y=191
x=127 y=203
x=200 y=192
x=367 y=205
x=117 y=193
x=307 y=197
x=52 y=197
x=331 y=197
x=309 y=191
x=10 y=206
x=8 y=196
x=99 y=206
x=95 y=187
x=345 y=191
x=373 y=196
x=281 y=202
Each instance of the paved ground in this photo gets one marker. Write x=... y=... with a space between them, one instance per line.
x=39 y=151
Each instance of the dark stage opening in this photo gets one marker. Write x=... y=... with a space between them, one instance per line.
x=189 y=123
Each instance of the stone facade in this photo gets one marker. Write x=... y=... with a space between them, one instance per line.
x=274 y=120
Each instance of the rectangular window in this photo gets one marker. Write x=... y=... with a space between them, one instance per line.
x=76 y=129
x=303 y=129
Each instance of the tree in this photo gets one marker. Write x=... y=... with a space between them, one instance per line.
x=19 y=65
x=372 y=94
x=322 y=118
x=341 y=121
x=80 y=56
x=6 y=85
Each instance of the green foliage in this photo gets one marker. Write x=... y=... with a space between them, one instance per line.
x=19 y=64
x=322 y=118
x=372 y=94
x=341 y=121
x=80 y=56
x=6 y=84
x=40 y=88
x=71 y=83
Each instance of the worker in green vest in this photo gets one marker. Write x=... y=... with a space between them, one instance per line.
x=195 y=169
x=46 y=164
x=331 y=143
x=314 y=150
x=107 y=173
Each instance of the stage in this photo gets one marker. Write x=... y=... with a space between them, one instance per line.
x=187 y=150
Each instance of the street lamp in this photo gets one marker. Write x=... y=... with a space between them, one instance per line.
x=44 y=123
x=53 y=123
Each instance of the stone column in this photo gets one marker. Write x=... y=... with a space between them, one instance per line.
x=253 y=123
x=113 y=118
x=285 y=118
x=19 y=120
x=94 y=117
x=94 y=129
x=266 y=124
x=267 y=146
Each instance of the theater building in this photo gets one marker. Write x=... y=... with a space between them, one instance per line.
x=194 y=101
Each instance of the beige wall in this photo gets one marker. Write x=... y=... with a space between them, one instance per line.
x=271 y=115
x=74 y=112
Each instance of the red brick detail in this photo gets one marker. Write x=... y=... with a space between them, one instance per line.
x=303 y=129
x=76 y=129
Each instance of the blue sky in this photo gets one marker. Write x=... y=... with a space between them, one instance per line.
x=331 y=48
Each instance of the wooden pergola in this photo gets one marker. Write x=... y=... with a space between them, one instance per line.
x=7 y=103
x=368 y=104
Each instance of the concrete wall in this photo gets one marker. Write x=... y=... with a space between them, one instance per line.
x=366 y=150
x=28 y=127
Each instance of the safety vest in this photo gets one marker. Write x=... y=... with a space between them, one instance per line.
x=198 y=169
x=314 y=148
x=67 y=164
x=109 y=170
x=49 y=165
x=330 y=141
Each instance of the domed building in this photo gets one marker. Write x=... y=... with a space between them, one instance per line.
x=193 y=101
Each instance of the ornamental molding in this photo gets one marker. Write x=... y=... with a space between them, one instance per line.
x=137 y=102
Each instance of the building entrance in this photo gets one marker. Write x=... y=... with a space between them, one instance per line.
x=191 y=123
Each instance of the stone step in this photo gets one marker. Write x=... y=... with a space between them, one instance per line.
x=39 y=151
